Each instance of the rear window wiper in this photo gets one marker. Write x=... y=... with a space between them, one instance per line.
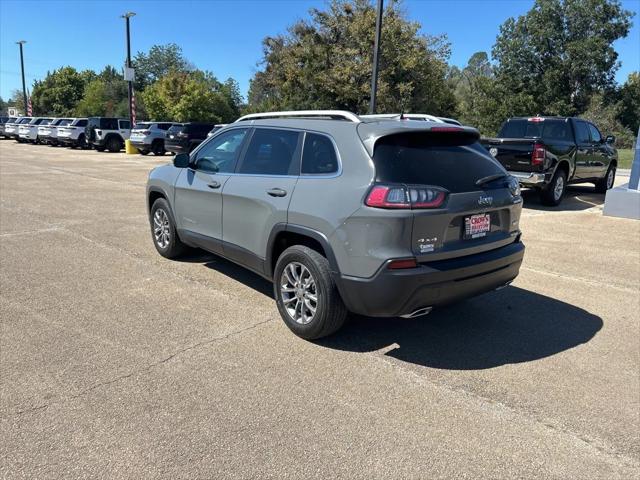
x=490 y=178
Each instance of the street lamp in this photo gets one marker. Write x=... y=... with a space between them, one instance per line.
x=128 y=75
x=24 y=88
x=376 y=54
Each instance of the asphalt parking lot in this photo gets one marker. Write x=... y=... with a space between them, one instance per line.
x=118 y=363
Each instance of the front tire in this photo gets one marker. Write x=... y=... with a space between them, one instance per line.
x=163 y=230
x=607 y=181
x=143 y=152
x=552 y=194
x=306 y=294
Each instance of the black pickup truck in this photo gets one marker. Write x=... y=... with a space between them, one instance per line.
x=547 y=153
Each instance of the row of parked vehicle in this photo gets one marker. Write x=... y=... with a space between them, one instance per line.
x=107 y=133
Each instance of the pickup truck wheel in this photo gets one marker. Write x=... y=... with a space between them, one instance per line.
x=306 y=295
x=163 y=230
x=607 y=181
x=114 y=145
x=552 y=194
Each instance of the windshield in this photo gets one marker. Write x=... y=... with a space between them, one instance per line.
x=141 y=126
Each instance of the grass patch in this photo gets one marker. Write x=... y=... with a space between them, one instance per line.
x=625 y=157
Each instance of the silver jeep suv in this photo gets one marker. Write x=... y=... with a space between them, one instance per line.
x=379 y=217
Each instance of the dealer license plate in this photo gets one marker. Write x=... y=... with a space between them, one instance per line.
x=477 y=226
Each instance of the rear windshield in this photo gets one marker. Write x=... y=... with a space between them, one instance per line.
x=198 y=128
x=417 y=159
x=64 y=122
x=550 y=129
x=141 y=126
x=176 y=129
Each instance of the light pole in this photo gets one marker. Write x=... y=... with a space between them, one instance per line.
x=376 y=54
x=24 y=88
x=126 y=17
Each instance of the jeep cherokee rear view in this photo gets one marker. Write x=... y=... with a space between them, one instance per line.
x=374 y=216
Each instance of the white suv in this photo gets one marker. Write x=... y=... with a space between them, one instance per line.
x=29 y=131
x=49 y=133
x=149 y=137
x=73 y=135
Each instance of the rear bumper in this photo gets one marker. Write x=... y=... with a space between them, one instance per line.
x=391 y=293
x=176 y=147
x=140 y=142
x=529 y=178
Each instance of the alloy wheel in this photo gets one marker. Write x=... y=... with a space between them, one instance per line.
x=299 y=293
x=161 y=229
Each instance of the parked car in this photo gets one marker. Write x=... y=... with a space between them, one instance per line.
x=28 y=132
x=3 y=122
x=48 y=134
x=73 y=135
x=11 y=129
x=547 y=153
x=372 y=216
x=107 y=133
x=183 y=138
x=215 y=128
x=149 y=137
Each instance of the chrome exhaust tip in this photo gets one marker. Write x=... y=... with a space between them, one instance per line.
x=418 y=313
x=504 y=286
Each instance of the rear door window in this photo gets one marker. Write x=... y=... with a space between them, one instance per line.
x=81 y=123
x=418 y=159
x=318 y=155
x=271 y=152
x=582 y=133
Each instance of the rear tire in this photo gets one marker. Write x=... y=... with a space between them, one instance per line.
x=158 y=148
x=163 y=230
x=607 y=181
x=82 y=141
x=99 y=148
x=114 y=145
x=143 y=152
x=302 y=280
x=552 y=194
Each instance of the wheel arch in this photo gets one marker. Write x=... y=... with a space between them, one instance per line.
x=153 y=194
x=284 y=235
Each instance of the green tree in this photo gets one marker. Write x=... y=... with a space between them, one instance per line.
x=326 y=62
x=17 y=101
x=605 y=115
x=630 y=102
x=561 y=53
x=189 y=96
x=158 y=62
x=105 y=95
x=59 y=92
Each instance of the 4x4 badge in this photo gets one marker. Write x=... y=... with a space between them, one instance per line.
x=485 y=200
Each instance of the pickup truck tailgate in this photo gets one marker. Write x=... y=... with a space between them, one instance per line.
x=513 y=153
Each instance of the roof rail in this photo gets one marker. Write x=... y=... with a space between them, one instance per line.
x=331 y=114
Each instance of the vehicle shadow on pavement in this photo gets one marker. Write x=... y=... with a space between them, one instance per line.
x=576 y=198
x=512 y=325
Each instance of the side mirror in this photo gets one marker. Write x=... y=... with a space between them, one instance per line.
x=611 y=139
x=181 y=160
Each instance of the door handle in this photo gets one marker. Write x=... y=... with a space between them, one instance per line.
x=277 y=192
x=214 y=185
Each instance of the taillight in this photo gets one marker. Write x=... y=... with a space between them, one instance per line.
x=402 y=264
x=407 y=197
x=538 y=154
x=145 y=132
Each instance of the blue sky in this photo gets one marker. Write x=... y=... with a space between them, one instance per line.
x=223 y=36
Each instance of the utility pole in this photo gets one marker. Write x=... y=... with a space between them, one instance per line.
x=129 y=79
x=24 y=88
x=376 y=54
